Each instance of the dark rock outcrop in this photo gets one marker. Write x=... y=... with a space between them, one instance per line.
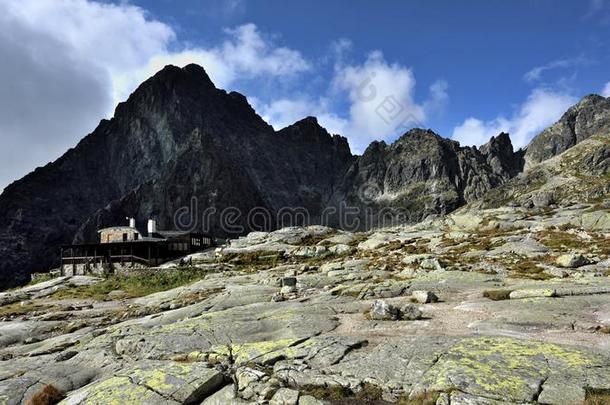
x=423 y=174
x=588 y=117
x=501 y=157
x=193 y=156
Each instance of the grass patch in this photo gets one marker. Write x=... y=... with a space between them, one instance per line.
x=497 y=295
x=253 y=258
x=135 y=285
x=558 y=240
x=338 y=395
x=17 y=308
x=332 y=393
x=369 y=393
x=42 y=278
x=527 y=269
x=597 y=397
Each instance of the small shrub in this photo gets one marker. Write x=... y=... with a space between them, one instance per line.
x=369 y=393
x=48 y=395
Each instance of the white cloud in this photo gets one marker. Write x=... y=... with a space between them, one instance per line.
x=339 y=48
x=541 y=108
x=381 y=98
x=439 y=96
x=66 y=63
x=244 y=55
x=476 y=132
x=58 y=60
x=597 y=9
x=606 y=90
x=537 y=72
x=283 y=112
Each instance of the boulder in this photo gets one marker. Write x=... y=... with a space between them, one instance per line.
x=382 y=311
x=410 y=312
x=595 y=221
x=431 y=264
x=424 y=297
x=571 y=260
x=225 y=396
x=542 y=199
x=340 y=249
x=285 y=396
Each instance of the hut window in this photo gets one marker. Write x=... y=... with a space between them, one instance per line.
x=124 y=237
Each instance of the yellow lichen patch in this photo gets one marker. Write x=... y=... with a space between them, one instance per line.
x=158 y=380
x=504 y=368
x=119 y=391
x=247 y=352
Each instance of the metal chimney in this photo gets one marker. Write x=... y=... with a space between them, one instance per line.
x=152 y=227
x=132 y=222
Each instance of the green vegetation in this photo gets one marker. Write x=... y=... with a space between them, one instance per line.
x=41 y=278
x=331 y=393
x=135 y=285
x=369 y=394
x=561 y=241
x=21 y=308
x=527 y=268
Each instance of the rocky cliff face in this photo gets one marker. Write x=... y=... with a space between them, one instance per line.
x=197 y=157
x=424 y=174
x=589 y=117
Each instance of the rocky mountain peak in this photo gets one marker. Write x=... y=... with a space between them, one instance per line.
x=590 y=116
x=416 y=135
x=172 y=75
x=500 y=155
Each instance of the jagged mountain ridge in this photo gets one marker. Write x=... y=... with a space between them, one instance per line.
x=590 y=116
x=178 y=137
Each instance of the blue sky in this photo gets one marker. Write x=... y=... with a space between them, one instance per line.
x=367 y=69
